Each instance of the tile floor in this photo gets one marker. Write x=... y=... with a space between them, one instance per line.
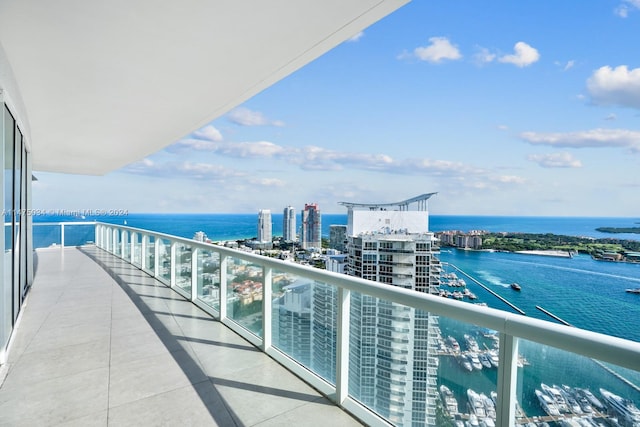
x=101 y=343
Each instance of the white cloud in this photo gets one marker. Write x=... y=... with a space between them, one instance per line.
x=508 y=179
x=439 y=50
x=250 y=149
x=555 y=160
x=523 y=56
x=622 y=10
x=184 y=169
x=267 y=182
x=569 y=65
x=245 y=117
x=611 y=117
x=503 y=127
x=483 y=56
x=356 y=37
x=615 y=86
x=595 y=138
x=208 y=133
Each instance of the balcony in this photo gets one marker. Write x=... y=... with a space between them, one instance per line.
x=136 y=339
x=101 y=341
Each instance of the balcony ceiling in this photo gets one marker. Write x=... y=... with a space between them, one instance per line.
x=105 y=83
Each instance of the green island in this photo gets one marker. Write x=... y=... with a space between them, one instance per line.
x=635 y=230
x=513 y=242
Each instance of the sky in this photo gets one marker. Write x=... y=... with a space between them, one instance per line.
x=501 y=107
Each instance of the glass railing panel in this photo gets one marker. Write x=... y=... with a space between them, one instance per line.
x=150 y=254
x=304 y=319
x=126 y=245
x=79 y=234
x=244 y=294
x=564 y=388
x=164 y=259
x=44 y=235
x=183 y=267
x=117 y=244
x=209 y=278
x=414 y=368
x=136 y=239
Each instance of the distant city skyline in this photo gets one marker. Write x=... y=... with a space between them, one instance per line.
x=503 y=108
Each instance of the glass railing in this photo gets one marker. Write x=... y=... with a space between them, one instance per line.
x=394 y=356
x=56 y=234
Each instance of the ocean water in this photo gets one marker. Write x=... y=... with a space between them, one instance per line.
x=240 y=226
x=586 y=293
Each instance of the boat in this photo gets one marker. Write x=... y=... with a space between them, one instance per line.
x=493 y=358
x=633 y=291
x=473 y=421
x=515 y=286
x=595 y=402
x=624 y=408
x=484 y=359
x=547 y=404
x=554 y=393
x=453 y=343
x=449 y=400
x=472 y=344
x=476 y=403
x=464 y=362
x=489 y=406
x=573 y=404
x=475 y=361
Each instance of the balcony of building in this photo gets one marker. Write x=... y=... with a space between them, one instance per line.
x=100 y=342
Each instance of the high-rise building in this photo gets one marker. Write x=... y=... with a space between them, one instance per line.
x=393 y=347
x=338 y=237
x=311 y=226
x=264 y=226
x=289 y=224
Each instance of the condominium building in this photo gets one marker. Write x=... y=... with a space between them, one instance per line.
x=338 y=237
x=311 y=226
x=393 y=357
x=289 y=224
x=264 y=226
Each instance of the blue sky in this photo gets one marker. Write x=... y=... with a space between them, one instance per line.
x=502 y=107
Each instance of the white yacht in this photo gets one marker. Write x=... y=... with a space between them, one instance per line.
x=547 y=404
x=627 y=411
x=476 y=403
x=449 y=400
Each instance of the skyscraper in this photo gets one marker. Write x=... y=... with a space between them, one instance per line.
x=264 y=226
x=338 y=237
x=311 y=226
x=289 y=224
x=393 y=360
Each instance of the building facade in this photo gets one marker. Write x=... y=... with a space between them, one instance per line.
x=311 y=227
x=393 y=358
x=264 y=228
x=289 y=224
x=338 y=237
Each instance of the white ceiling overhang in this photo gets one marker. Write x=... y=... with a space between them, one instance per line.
x=105 y=83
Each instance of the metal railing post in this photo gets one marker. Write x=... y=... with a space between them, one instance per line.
x=62 y=235
x=143 y=251
x=194 y=273
x=223 y=287
x=507 y=380
x=266 y=308
x=342 y=345
x=172 y=261
x=156 y=256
